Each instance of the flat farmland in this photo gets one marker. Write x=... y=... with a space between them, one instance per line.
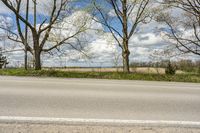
x=149 y=70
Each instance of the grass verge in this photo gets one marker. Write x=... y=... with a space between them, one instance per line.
x=195 y=78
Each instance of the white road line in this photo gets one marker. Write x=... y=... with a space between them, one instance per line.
x=74 y=121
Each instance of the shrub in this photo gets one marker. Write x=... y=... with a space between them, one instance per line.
x=170 y=69
x=3 y=59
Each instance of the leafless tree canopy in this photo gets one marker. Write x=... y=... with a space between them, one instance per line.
x=184 y=27
x=40 y=32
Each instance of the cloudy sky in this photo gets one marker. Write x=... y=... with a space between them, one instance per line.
x=101 y=48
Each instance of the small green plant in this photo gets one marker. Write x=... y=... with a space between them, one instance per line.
x=170 y=69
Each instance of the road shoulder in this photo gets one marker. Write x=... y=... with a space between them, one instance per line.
x=53 y=128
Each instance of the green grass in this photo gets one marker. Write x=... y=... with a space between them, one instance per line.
x=103 y=75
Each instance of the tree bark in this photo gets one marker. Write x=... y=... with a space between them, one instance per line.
x=126 y=68
x=125 y=55
x=37 y=51
x=38 y=60
x=26 y=38
x=126 y=52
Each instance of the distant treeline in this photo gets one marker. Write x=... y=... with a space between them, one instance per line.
x=185 y=65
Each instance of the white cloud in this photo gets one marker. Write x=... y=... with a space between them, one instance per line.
x=3 y=8
x=145 y=39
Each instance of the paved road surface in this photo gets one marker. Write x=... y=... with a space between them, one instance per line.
x=99 y=99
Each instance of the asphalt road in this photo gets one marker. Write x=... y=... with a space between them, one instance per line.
x=99 y=99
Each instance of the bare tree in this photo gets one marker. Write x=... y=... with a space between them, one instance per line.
x=183 y=20
x=127 y=16
x=18 y=38
x=40 y=32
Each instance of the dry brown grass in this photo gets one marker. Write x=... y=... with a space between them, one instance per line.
x=149 y=70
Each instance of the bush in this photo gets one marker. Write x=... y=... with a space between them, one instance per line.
x=3 y=60
x=170 y=69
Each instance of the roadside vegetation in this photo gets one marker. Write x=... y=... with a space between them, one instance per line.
x=182 y=77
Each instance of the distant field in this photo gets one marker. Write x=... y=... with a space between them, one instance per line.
x=147 y=70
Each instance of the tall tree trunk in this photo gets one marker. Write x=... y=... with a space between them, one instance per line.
x=36 y=40
x=126 y=68
x=35 y=13
x=26 y=58
x=125 y=55
x=37 y=51
x=26 y=37
x=38 y=60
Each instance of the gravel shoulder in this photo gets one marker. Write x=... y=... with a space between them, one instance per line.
x=51 y=128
